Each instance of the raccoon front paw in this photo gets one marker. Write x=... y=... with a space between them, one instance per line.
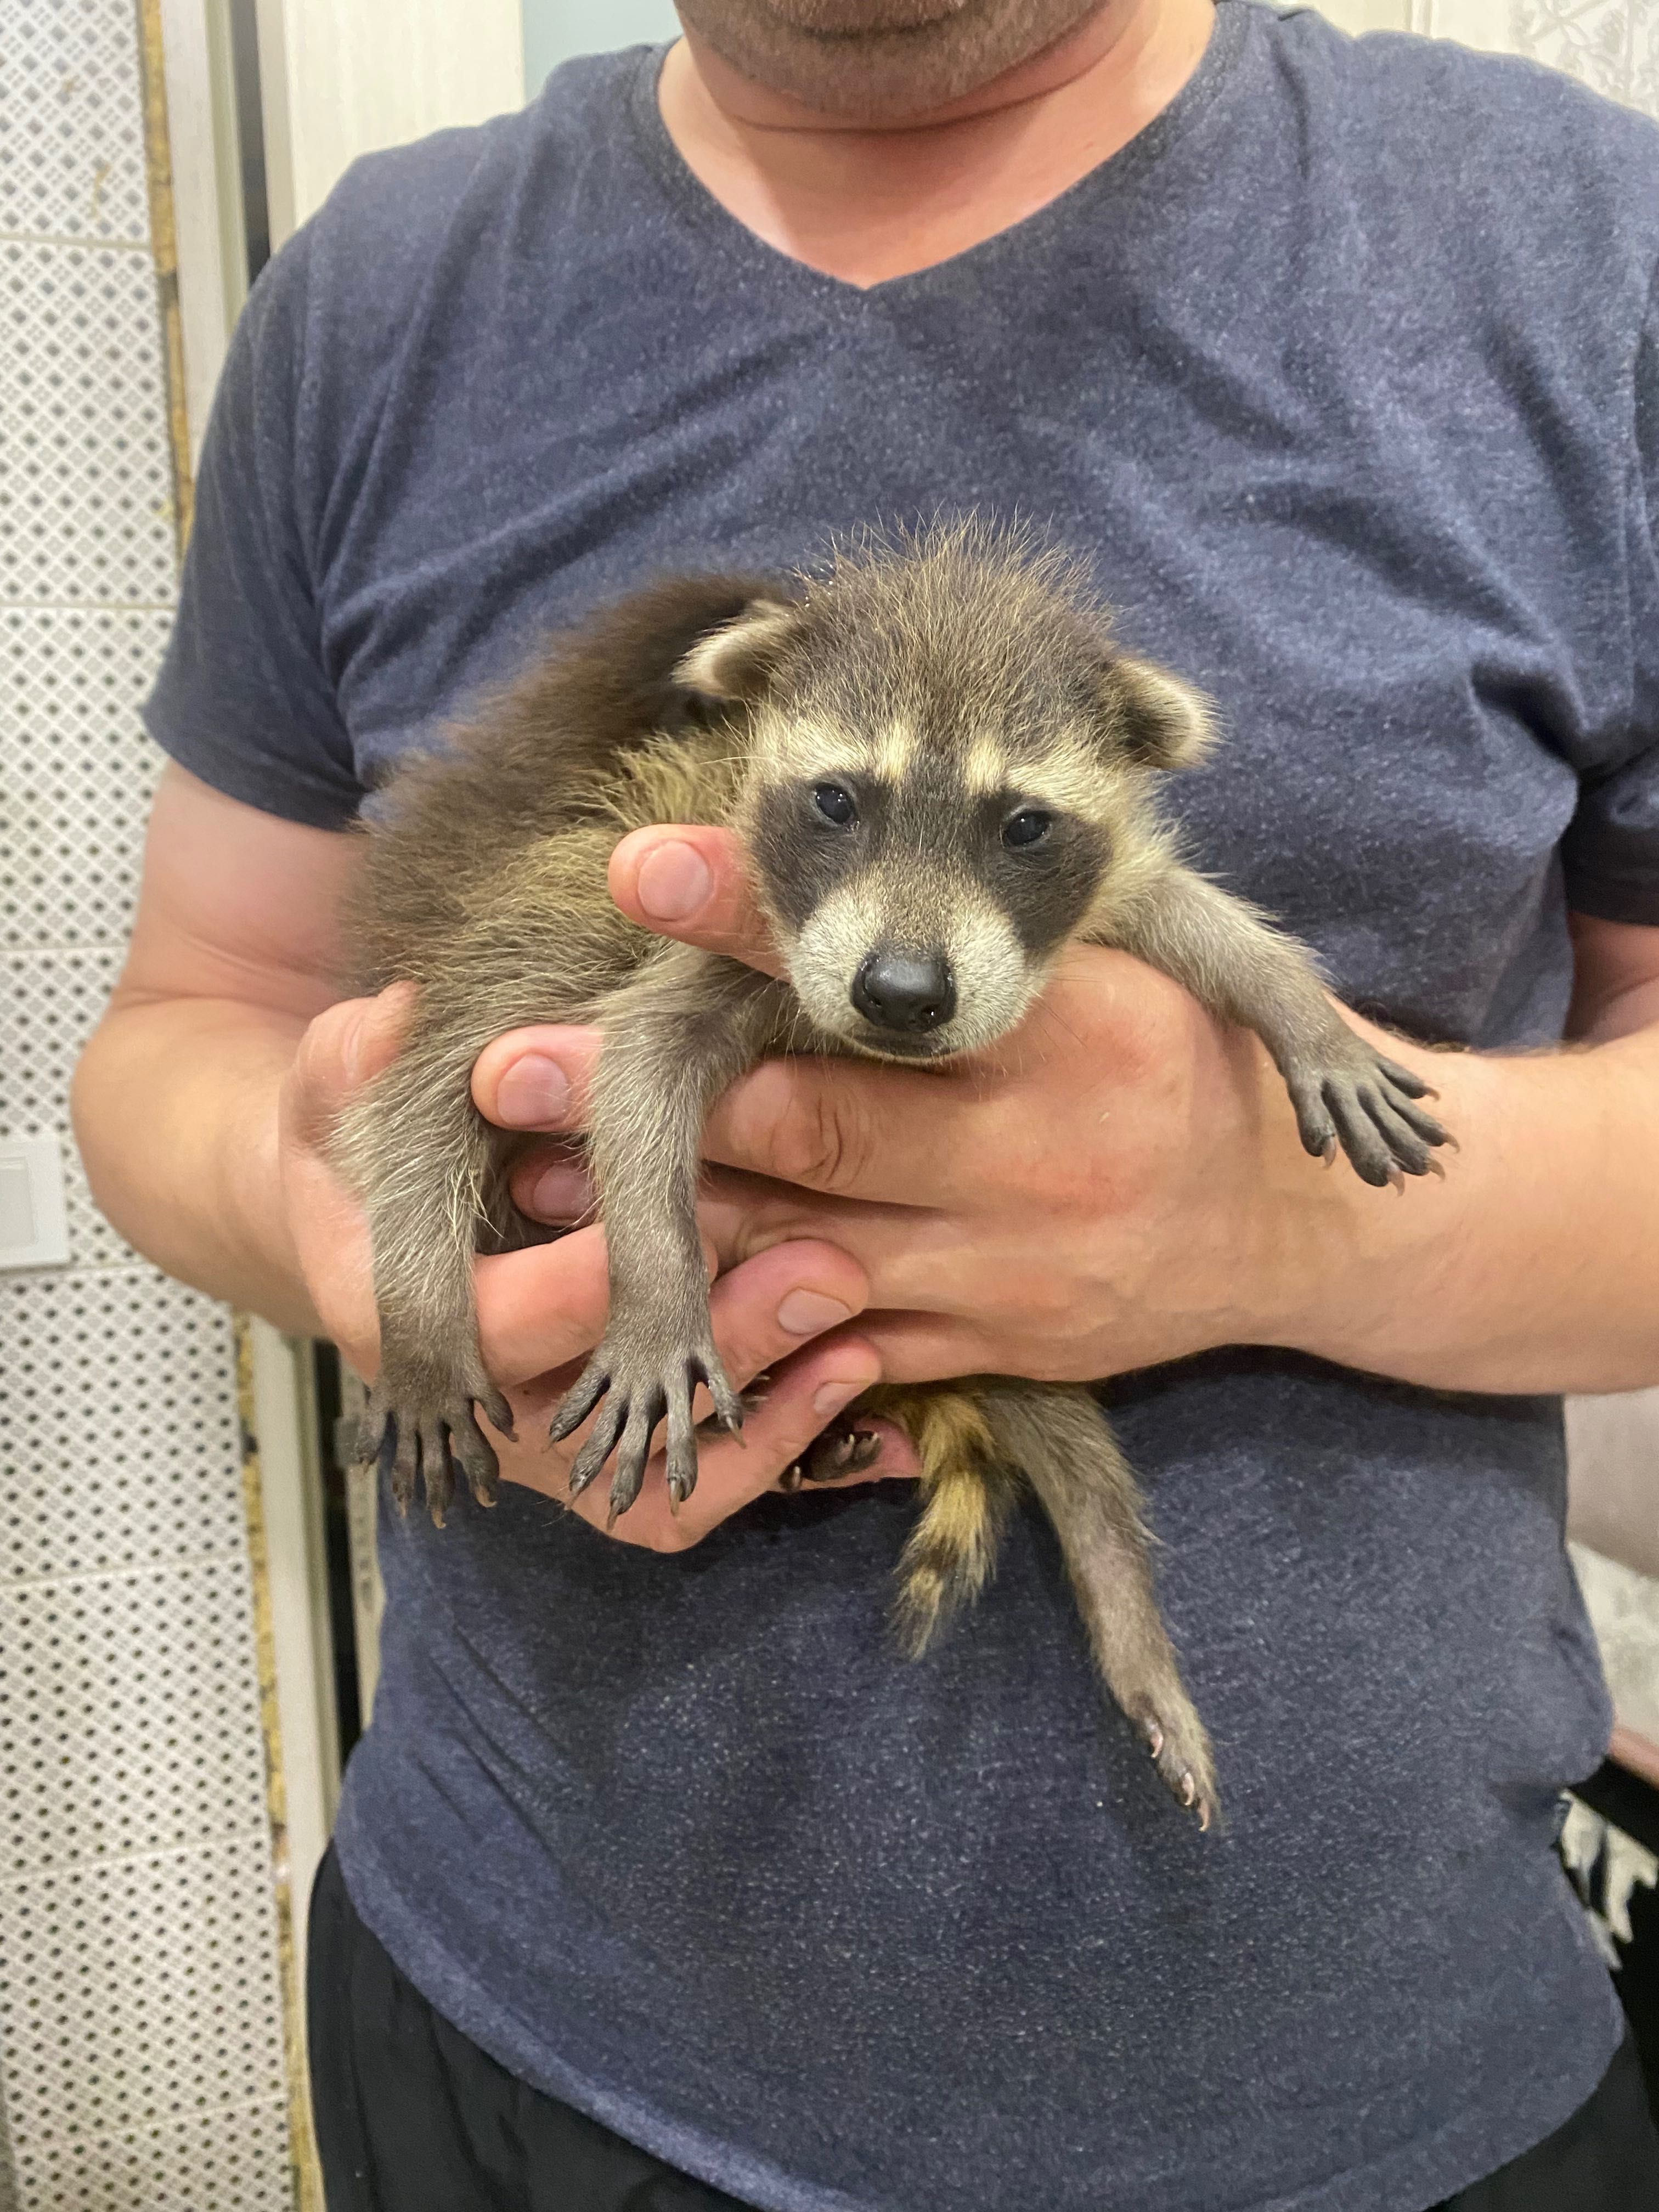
x=641 y=1385
x=411 y=1431
x=1180 y=1749
x=1367 y=1104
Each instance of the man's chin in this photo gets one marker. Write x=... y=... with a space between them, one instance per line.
x=881 y=62
x=858 y=19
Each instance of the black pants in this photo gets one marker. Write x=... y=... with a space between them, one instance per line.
x=413 y=2117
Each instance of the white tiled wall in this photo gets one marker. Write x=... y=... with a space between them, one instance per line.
x=141 y=2031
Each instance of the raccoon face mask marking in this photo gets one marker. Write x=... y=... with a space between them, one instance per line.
x=919 y=919
x=951 y=765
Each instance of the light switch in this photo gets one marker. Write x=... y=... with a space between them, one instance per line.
x=33 y=1225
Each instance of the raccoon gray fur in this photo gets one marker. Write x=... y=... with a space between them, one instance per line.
x=944 y=770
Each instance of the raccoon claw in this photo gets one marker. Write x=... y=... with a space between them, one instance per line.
x=1180 y=1753
x=841 y=1450
x=639 y=1393
x=1367 y=1105
x=408 y=1443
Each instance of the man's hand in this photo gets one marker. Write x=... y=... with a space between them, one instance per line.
x=1116 y=1186
x=1121 y=1184
x=542 y=1312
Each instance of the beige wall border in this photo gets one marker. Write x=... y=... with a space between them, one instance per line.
x=292 y=1885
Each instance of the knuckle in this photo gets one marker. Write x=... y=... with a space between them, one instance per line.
x=826 y=1142
x=798 y=1122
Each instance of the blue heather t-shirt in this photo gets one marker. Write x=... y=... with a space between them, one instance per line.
x=1344 y=374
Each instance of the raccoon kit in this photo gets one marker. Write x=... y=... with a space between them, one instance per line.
x=944 y=771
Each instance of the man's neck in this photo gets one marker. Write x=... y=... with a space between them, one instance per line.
x=867 y=202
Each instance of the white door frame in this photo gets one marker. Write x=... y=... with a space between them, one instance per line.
x=342 y=77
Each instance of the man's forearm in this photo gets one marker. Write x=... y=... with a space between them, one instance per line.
x=1535 y=1267
x=175 y=1112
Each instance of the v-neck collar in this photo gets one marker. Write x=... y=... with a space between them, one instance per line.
x=697 y=206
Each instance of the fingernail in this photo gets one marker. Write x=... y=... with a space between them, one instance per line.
x=673 y=882
x=561 y=1193
x=534 y=1090
x=831 y=1397
x=808 y=1313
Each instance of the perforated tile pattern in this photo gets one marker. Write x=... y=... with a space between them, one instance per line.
x=139 y=1991
x=71 y=131
x=50 y=1002
x=136 y=1920
x=86 y=494
x=88 y=1766
x=76 y=769
x=129 y=1381
x=140 y=2034
x=238 y=2157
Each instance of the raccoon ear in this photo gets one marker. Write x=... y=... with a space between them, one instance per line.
x=733 y=661
x=1156 y=719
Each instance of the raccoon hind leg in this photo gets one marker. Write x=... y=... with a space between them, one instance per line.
x=1063 y=1444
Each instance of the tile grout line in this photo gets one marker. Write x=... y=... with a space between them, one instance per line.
x=136 y=1265
x=152 y=1571
x=143 y=2132
x=73 y=239
x=18 y=1878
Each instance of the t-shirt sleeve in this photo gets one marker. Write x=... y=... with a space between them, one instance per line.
x=243 y=699
x=1611 y=850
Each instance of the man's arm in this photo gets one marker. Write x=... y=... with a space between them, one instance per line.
x=234 y=951
x=1544 y=1274
x=1128 y=1185
x=201 y=1105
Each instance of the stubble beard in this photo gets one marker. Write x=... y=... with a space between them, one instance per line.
x=880 y=61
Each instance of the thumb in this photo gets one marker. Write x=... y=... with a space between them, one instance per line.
x=691 y=882
x=345 y=1046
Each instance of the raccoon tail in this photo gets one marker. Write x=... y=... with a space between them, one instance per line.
x=968 y=1489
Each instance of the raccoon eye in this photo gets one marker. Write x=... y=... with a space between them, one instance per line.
x=834 y=805
x=1028 y=827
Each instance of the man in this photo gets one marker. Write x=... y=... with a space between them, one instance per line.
x=660 y=1879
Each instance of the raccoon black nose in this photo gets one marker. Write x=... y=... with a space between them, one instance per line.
x=897 y=991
